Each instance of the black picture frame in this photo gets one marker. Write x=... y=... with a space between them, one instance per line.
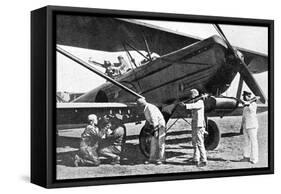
x=43 y=102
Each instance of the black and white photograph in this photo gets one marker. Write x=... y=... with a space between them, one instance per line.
x=143 y=97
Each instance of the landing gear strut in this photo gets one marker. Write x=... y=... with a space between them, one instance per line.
x=211 y=139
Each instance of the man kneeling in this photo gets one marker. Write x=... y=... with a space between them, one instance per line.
x=90 y=138
x=112 y=144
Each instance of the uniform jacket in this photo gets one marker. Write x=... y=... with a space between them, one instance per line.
x=197 y=108
x=90 y=131
x=249 y=118
x=91 y=136
x=153 y=115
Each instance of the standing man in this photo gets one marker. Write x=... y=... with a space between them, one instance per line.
x=250 y=127
x=111 y=145
x=198 y=129
x=89 y=143
x=155 y=121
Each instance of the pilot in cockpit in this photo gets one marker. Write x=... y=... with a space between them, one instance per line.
x=116 y=69
x=122 y=65
x=111 y=70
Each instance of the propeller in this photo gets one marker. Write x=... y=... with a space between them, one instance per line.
x=242 y=68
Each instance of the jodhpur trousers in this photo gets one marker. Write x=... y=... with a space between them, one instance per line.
x=88 y=152
x=199 y=153
x=251 y=149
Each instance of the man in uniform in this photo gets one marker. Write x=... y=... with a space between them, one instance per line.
x=122 y=65
x=89 y=143
x=111 y=145
x=155 y=121
x=250 y=127
x=198 y=129
x=110 y=69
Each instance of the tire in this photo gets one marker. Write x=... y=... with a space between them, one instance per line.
x=144 y=141
x=212 y=139
x=124 y=140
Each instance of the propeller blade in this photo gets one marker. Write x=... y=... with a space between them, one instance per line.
x=243 y=70
x=251 y=81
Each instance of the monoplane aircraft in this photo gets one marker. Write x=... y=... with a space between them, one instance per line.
x=184 y=62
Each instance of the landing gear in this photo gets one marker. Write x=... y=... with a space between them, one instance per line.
x=145 y=137
x=123 y=151
x=212 y=138
x=144 y=140
x=124 y=136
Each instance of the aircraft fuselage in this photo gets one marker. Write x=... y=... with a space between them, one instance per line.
x=203 y=65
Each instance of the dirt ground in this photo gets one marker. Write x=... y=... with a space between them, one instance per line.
x=178 y=151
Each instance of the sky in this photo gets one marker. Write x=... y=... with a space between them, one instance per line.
x=72 y=77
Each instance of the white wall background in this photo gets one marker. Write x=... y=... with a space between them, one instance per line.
x=15 y=96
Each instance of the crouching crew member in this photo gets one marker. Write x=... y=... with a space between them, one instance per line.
x=250 y=127
x=198 y=129
x=111 y=145
x=155 y=121
x=89 y=144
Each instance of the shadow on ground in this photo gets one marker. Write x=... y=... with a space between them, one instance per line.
x=131 y=155
x=230 y=134
x=217 y=159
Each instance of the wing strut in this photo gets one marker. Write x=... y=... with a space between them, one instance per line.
x=147 y=47
x=132 y=60
x=131 y=46
x=86 y=65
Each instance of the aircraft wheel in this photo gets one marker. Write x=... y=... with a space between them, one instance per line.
x=212 y=139
x=144 y=141
x=123 y=151
x=124 y=136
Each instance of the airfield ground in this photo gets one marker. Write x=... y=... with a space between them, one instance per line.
x=178 y=151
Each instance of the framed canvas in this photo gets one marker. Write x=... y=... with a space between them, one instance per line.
x=125 y=96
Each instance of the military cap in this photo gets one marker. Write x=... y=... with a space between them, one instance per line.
x=141 y=101
x=195 y=92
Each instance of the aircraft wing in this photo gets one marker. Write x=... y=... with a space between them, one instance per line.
x=74 y=115
x=110 y=34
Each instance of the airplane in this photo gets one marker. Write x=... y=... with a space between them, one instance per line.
x=185 y=62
